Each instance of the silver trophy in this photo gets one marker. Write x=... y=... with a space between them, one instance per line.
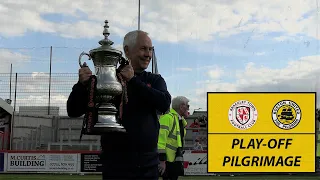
x=105 y=60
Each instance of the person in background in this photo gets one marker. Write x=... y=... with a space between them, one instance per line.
x=134 y=154
x=202 y=122
x=171 y=139
x=197 y=146
x=195 y=131
x=202 y=131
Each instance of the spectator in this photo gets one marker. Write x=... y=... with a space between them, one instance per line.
x=203 y=132
x=197 y=146
x=195 y=132
x=202 y=121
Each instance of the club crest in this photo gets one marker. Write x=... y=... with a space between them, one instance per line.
x=243 y=114
x=286 y=114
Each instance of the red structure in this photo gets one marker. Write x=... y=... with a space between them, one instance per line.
x=6 y=113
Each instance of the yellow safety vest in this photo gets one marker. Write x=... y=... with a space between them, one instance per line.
x=169 y=134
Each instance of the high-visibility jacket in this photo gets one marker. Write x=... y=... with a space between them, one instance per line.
x=169 y=136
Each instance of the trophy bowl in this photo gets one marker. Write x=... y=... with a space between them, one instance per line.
x=105 y=60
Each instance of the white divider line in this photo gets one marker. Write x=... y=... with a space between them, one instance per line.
x=5 y=162
x=79 y=163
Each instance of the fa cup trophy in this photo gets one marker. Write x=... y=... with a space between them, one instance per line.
x=100 y=117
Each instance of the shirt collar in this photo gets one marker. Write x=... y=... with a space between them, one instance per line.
x=139 y=73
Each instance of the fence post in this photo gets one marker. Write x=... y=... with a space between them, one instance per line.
x=50 y=67
x=10 y=81
x=14 y=110
x=15 y=93
x=55 y=128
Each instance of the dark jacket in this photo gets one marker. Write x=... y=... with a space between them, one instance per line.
x=139 y=118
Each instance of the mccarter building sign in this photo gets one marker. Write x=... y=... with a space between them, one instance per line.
x=261 y=132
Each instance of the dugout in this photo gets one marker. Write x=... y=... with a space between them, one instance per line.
x=6 y=113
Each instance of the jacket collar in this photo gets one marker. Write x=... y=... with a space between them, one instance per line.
x=174 y=112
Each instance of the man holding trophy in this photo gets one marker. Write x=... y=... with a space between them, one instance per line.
x=121 y=105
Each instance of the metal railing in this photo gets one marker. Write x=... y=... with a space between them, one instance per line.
x=38 y=140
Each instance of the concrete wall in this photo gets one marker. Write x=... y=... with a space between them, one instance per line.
x=45 y=129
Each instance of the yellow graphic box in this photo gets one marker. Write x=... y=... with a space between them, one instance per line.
x=261 y=132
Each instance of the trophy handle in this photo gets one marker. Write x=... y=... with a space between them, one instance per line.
x=82 y=54
x=123 y=61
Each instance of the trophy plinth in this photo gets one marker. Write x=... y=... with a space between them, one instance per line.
x=105 y=60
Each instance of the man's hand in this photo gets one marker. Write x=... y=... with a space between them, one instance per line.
x=162 y=167
x=127 y=72
x=84 y=74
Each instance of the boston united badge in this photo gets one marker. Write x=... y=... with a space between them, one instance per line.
x=243 y=114
x=286 y=114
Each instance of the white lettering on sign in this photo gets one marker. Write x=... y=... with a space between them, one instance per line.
x=34 y=162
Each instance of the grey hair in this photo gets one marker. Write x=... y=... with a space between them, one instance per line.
x=178 y=101
x=130 y=39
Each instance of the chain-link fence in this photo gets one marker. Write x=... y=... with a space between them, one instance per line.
x=37 y=98
x=31 y=93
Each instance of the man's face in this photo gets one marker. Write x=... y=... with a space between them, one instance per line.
x=140 y=54
x=185 y=109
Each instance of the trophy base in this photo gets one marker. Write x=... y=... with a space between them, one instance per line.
x=107 y=121
x=105 y=128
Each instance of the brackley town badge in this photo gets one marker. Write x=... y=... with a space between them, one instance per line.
x=243 y=114
x=286 y=114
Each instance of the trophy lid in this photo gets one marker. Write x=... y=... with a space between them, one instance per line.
x=106 y=44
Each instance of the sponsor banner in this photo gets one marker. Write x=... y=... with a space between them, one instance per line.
x=195 y=163
x=261 y=132
x=1 y=162
x=90 y=162
x=37 y=162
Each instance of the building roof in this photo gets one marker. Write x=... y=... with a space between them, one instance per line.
x=5 y=106
x=196 y=114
